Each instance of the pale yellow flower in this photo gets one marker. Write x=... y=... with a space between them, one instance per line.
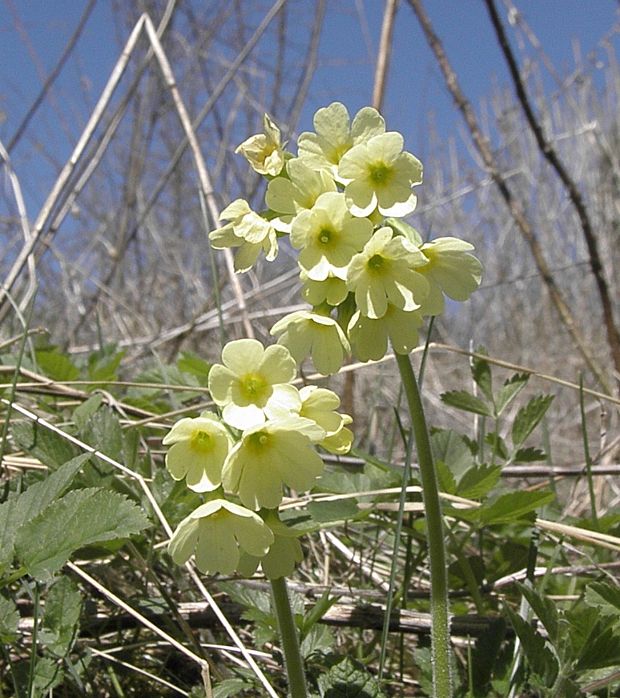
x=369 y=338
x=328 y=236
x=306 y=333
x=320 y=405
x=252 y=384
x=216 y=533
x=335 y=135
x=249 y=232
x=199 y=448
x=332 y=290
x=264 y=151
x=451 y=269
x=287 y=196
x=386 y=271
x=277 y=453
x=379 y=175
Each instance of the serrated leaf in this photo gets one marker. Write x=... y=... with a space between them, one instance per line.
x=481 y=373
x=21 y=508
x=83 y=413
x=48 y=673
x=509 y=391
x=478 y=481
x=544 y=609
x=601 y=650
x=338 y=510
x=191 y=363
x=63 y=606
x=497 y=445
x=451 y=448
x=41 y=443
x=513 y=506
x=349 y=679
x=318 y=639
x=529 y=455
x=528 y=417
x=80 y=518
x=605 y=597
x=539 y=657
x=463 y=400
x=57 y=366
x=103 y=431
x=445 y=478
x=9 y=620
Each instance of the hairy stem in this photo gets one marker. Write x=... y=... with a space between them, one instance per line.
x=440 y=634
x=289 y=639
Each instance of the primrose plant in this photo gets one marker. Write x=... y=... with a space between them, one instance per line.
x=369 y=280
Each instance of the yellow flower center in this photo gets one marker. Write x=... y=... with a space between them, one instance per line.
x=201 y=441
x=258 y=441
x=254 y=387
x=325 y=236
x=376 y=263
x=380 y=173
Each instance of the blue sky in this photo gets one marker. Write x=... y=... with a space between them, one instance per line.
x=346 y=64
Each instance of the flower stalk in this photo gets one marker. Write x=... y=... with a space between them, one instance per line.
x=440 y=633
x=289 y=639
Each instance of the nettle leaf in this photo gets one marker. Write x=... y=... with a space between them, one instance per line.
x=57 y=366
x=9 y=620
x=478 y=481
x=605 y=597
x=528 y=417
x=81 y=517
x=509 y=391
x=539 y=656
x=41 y=443
x=544 y=609
x=22 y=508
x=463 y=400
x=337 y=510
x=349 y=679
x=451 y=448
x=529 y=455
x=63 y=606
x=481 y=373
x=514 y=506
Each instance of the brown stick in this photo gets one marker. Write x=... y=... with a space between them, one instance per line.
x=548 y=151
x=514 y=206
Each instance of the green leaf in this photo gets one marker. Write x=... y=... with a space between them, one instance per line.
x=529 y=455
x=445 y=478
x=9 y=620
x=230 y=687
x=463 y=400
x=103 y=432
x=83 y=413
x=80 y=518
x=41 y=443
x=338 y=510
x=48 y=673
x=497 y=445
x=193 y=364
x=544 y=609
x=539 y=656
x=451 y=448
x=318 y=639
x=478 y=481
x=319 y=609
x=103 y=364
x=528 y=417
x=509 y=391
x=514 y=506
x=601 y=650
x=604 y=597
x=56 y=365
x=24 y=507
x=481 y=373
x=63 y=606
x=349 y=679
x=485 y=653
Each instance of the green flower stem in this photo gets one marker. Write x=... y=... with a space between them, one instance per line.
x=289 y=638
x=440 y=634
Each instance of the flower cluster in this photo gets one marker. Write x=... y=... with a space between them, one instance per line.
x=368 y=276
x=265 y=440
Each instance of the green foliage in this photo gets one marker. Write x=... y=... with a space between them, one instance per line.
x=349 y=679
